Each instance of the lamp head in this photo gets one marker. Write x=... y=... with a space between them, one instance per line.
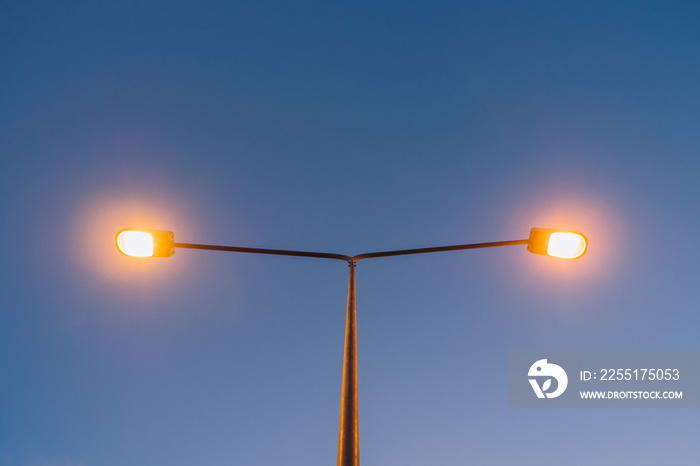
x=557 y=243
x=146 y=243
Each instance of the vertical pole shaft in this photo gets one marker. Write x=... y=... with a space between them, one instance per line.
x=348 y=436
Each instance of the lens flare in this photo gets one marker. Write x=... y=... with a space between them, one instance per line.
x=135 y=243
x=566 y=245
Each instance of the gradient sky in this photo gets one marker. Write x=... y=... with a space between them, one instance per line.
x=343 y=127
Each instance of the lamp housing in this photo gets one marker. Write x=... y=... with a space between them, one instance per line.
x=563 y=244
x=146 y=243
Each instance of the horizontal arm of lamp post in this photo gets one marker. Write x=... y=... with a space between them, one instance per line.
x=276 y=252
x=350 y=259
x=458 y=247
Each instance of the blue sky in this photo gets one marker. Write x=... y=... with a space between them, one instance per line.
x=344 y=128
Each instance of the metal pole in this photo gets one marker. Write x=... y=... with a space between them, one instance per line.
x=348 y=436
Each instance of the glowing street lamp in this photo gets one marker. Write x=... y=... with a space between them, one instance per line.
x=146 y=243
x=557 y=243
x=160 y=243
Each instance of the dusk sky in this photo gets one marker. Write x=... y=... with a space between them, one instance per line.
x=343 y=127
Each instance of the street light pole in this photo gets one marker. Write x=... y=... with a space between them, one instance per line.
x=348 y=432
x=147 y=243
